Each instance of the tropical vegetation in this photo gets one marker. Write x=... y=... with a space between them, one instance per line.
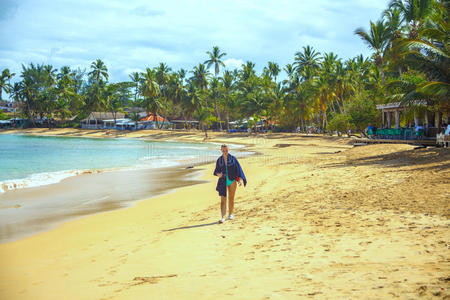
x=410 y=62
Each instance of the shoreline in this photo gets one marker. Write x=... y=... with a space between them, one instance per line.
x=55 y=177
x=310 y=224
x=34 y=222
x=29 y=207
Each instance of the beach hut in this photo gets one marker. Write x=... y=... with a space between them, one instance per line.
x=5 y=124
x=429 y=121
x=128 y=124
x=149 y=121
x=8 y=106
x=181 y=122
x=96 y=120
x=111 y=124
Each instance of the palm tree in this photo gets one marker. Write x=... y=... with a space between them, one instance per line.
x=273 y=69
x=37 y=91
x=214 y=88
x=215 y=59
x=393 y=20
x=291 y=74
x=4 y=82
x=200 y=76
x=307 y=62
x=248 y=71
x=68 y=101
x=136 y=79
x=228 y=84
x=162 y=75
x=323 y=95
x=429 y=56
x=377 y=39
x=182 y=75
x=414 y=13
x=112 y=100
x=149 y=86
x=150 y=91
x=99 y=70
x=206 y=119
x=136 y=118
x=194 y=97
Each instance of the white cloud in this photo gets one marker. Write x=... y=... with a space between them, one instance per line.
x=233 y=63
x=133 y=35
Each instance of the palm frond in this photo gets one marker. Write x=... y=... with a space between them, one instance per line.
x=435 y=89
x=407 y=45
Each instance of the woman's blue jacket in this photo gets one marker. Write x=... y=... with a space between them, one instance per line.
x=234 y=171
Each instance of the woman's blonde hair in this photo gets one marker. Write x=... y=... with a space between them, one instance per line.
x=224 y=146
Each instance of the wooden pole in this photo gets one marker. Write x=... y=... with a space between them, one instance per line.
x=437 y=120
x=389 y=119
x=397 y=119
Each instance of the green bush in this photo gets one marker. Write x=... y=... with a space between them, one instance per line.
x=4 y=116
x=362 y=111
x=339 y=122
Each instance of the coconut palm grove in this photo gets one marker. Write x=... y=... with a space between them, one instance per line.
x=410 y=63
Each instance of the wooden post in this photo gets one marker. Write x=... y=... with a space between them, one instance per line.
x=397 y=119
x=388 y=119
x=416 y=120
x=437 y=121
x=382 y=119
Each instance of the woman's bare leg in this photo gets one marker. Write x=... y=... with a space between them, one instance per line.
x=231 y=192
x=223 y=205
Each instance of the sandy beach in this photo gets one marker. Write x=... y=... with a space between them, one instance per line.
x=318 y=219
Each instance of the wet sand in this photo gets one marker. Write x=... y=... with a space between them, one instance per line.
x=318 y=219
x=24 y=212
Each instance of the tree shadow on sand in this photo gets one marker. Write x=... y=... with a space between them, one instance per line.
x=436 y=159
x=192 y=226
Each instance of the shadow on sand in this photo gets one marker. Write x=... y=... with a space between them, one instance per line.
x=420 y=158
x=193 y=226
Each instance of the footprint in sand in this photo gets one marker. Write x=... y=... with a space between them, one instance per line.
x=150 y=279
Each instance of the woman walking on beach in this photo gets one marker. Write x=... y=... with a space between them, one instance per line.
x=229 y=172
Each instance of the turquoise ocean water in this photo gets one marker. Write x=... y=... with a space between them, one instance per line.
x=27 y=161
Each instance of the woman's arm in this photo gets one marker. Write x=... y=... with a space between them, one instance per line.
x=241 y=173
x=217 y=169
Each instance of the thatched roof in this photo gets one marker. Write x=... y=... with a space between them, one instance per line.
x=103 y=116
x=181 y=119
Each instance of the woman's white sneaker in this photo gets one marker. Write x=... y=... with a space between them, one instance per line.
x=222 y=220
x=230 y=217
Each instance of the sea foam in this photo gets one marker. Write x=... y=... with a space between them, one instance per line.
x=39 y=179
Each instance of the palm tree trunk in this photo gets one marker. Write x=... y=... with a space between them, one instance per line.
x=228 y=116
x=339 y=105
x=217 y=113
x=382 y=76
x=324 y=117
x=205 y=128
x=332 y=108
x=164 y=113
x=155 y=118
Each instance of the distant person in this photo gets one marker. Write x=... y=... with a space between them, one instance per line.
x=230 y=173
x=447 y=130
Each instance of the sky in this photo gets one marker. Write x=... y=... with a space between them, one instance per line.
x=132 y=35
